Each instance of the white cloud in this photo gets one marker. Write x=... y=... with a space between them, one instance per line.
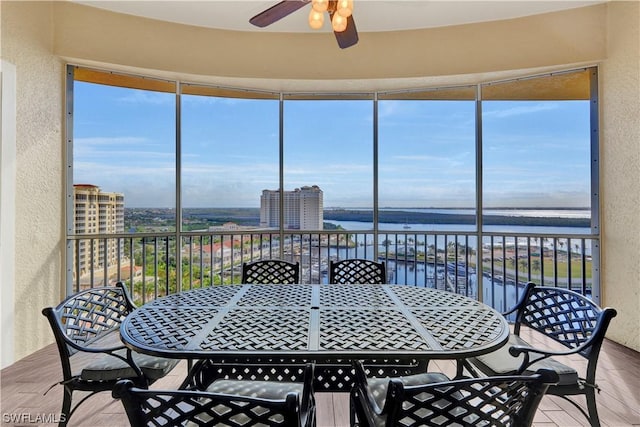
x=110 y=141
x=520 y=110
x=143 y=97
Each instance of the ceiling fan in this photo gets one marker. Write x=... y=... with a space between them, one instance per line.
x=339 y=11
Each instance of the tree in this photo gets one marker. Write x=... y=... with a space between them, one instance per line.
x=535 y=265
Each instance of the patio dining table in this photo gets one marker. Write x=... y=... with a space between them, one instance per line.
x=315 y=322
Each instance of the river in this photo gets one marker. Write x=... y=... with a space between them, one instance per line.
x=423 y=274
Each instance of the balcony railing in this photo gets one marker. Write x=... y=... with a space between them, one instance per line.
x=156 y=264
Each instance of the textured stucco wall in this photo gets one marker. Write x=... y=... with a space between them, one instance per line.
x=90 y=34
x=27 y=29
x=620 y=171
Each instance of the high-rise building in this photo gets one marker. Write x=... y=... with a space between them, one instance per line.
x=97 y=213
x=303 y=208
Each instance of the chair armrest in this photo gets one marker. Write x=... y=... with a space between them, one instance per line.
x=127 y=296
x=522 y=301
x=540 y=354
x=394 y=389
x=595 y=340
x=106 y=343
x=513 y=309
x=107 y=349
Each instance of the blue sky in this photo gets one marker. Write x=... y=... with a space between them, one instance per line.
x=536 y=153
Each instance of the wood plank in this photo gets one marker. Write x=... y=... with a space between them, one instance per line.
x=341 y=410
x=22 y=386
x=324 y=409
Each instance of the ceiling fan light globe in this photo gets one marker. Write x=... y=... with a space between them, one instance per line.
x=339 y=23
x=320 y=5
x=345 y=8
x=316 y=19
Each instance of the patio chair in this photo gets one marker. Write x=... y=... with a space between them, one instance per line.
x=568 y=318
x=224 y=402
x=432 y=399
x=86 y=328
x=357 y=271
x=270 y=271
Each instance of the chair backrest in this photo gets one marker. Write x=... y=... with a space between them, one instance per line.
x=145 y=407
x=357 y=271
x=490 y=401
x=271 y=271
x=86 y=317
x=565 y=316
x=199 y=408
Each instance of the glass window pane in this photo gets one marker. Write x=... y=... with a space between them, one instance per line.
x=537 y=168
x=427 y=165
x=124 y=143
x=229 y=156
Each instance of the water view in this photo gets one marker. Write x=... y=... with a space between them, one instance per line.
x=407 y=263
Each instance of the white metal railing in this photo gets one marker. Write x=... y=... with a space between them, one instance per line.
x=153 y=264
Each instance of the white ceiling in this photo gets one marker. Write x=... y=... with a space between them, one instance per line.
x=369 y=15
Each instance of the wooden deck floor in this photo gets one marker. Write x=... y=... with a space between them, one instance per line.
x=22 y=401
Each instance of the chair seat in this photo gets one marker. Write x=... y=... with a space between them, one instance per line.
x=109 y=368
x=264 y=389
x=260 y=389
x=377 y=387
x=500 y=362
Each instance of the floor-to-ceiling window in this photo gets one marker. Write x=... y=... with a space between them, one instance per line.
x=123 y=166
x=427 y=188
x=538 y=158
x=456 y=176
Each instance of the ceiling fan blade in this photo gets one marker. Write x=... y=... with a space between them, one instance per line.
x=277 y=12
x=348 y=37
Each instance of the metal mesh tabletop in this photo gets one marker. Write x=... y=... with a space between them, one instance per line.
x=315 y=322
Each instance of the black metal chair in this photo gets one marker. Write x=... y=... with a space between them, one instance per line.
x=86 y=328
x=357 y=271
x=271 y=271
x=568 y=318
x=432 y=399
x=223 y=403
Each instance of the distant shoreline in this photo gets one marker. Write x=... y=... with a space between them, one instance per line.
x=401 y=217
x=251 y=216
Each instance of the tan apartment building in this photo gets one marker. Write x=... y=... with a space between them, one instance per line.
x=97 y=212
x=303 y=208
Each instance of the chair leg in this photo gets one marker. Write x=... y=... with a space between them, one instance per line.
x=356 y=417
x=590 y=395
x=352 y=409
x=65 y=412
